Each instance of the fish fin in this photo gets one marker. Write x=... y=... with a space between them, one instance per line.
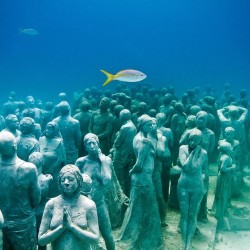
x=110 y=77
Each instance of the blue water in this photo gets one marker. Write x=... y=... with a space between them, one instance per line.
x=184 y=43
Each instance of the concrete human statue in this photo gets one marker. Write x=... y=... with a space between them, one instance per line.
x=101 y=125
x=159 y=142
x=26 y=141
x=12 y=125
x=208 y=143
x=69 y=220
x=224 y=183
x=116 y=123
x=97 y=166
x=141 y=228
x=237 y=179
x=53 y=151
x=194 y=167
x=30 y=104
x=167 y=156
x=122 y=151
x=167 y=108
x=44 y=181
x=37 y=131
x=20 y=194
x=141 y=110
x=177 y=127
x=83 y=116
x=70 y=131
x=235 y=116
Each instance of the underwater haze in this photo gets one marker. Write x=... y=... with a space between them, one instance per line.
x=183 y=43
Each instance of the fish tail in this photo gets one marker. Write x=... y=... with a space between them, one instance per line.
x=110 y=77
x=20 y=31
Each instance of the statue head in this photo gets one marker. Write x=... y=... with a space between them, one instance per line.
x=70 y=180
x=195 y=138
x=27 y=125
x=7 y=144
x=125 y=115
x=11 y=122
x=201 y=119
x=64 y=108
x=144 y=120
x=91 y=143
x=52 y=130
x=37 y=159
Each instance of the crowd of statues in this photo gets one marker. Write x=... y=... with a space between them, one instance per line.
x=71 y=173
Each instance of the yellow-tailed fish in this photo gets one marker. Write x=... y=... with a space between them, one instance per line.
x=127 y=75
x=31 y=32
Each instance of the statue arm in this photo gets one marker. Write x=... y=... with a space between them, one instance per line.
x=120 y=138
x=244 y=114
x=45 y=235
x=221 y=116
x=61 y=155
x=184 y=138
x=226 y=165
x=78 y=136
x=174 y=121
x=35 y=193
x=141 y=157
x=183 y=156
x=205 y=171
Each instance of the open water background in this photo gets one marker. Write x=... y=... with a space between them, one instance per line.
x=183 y=43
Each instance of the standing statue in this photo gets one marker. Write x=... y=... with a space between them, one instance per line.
x=26 y=141
x=97 y=167
x=52 y=149
x=194 y=167
x=69 y=220
x=70 y=131
x=101 y=125
x=224 y=182
x=122 y=152
x=19 y=195
x=141 y=228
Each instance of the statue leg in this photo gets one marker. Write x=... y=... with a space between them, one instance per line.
x=194 y=204
x=183 y=197
x=105 y=226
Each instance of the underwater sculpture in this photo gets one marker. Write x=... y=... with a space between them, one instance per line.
x=141 y=228
x=20 y=194
x=69 y=220
x=97 y=166
x=194 y=168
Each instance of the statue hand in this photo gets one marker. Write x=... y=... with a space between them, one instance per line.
x=67 y=221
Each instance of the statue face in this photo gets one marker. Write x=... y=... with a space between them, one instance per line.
x=229 y=135
x=49 y=131
x=68 y=183
x=194 y=141
x=148 y=126
x=154 y=126
x=92 y=146
x=201 y=121
x=13 y=123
